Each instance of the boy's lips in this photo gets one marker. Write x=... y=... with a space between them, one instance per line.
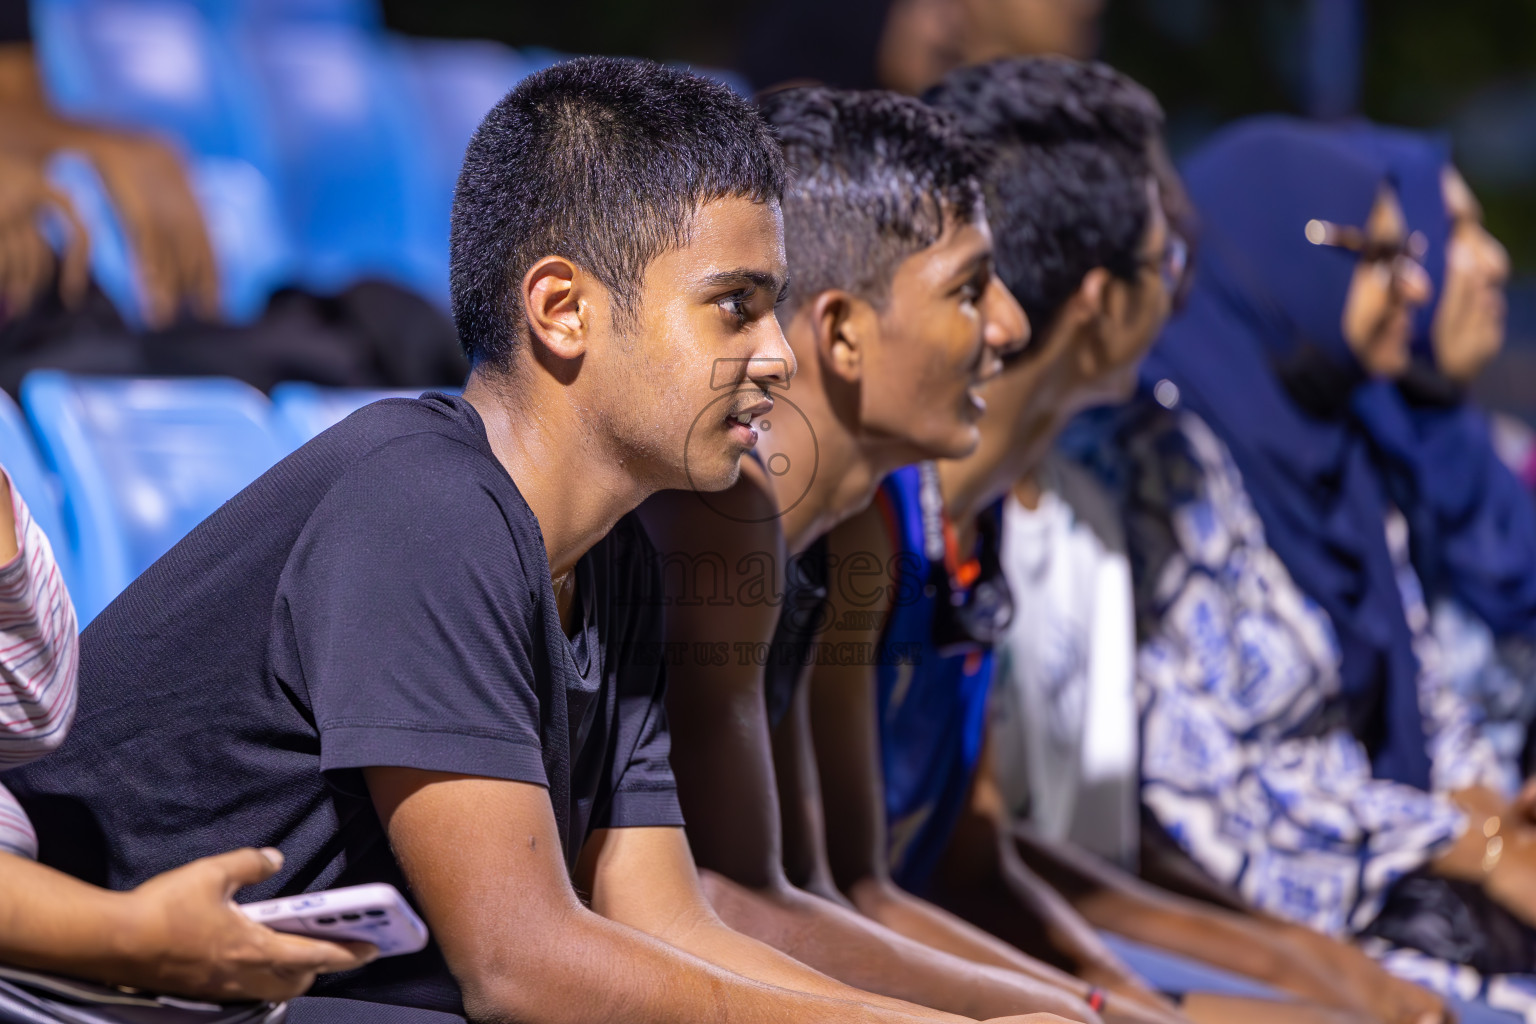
x=744 y=413
x=974 y=402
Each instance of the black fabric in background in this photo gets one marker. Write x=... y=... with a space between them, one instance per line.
x=1455 y=921
x=373 y=335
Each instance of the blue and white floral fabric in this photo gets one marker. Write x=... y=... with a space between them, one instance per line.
x=1248 y=760
x=1474 y=734
x=1495 y=685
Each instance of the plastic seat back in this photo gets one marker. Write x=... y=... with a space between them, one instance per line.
x=305 y=410
x=456 y=83
x=151 y=64
x=239 y=210
x=142 y=461
x=38 y=487
x=238 y=14
x=351 y=166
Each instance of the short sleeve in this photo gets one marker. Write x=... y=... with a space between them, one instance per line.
x=644 y=791
x=39 y=645
x=406 y=618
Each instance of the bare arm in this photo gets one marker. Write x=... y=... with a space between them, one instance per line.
x=846 y=945
x=177 y=933
x=720 y=744
x=483 y=857
x=645 y=878
x=801 y=811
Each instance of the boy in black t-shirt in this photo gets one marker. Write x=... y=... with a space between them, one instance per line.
x=423 y=649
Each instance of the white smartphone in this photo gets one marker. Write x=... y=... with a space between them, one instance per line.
x=375 y=913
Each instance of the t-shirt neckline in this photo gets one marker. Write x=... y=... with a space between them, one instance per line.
x=578 y=646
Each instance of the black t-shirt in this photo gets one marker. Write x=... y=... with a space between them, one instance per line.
x=380 y=597
x=801 y=620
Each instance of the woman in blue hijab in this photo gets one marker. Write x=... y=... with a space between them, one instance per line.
x=1286 y=744
x=1261 y=354
x=1472 y=524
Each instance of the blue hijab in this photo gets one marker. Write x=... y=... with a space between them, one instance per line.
x=1472 y=522
x=1259 y=353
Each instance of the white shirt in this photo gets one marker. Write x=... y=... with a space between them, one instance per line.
x=1064 y=726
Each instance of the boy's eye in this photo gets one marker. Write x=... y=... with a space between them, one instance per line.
x=735 y=305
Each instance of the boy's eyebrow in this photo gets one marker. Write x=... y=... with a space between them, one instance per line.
x=973 y=264
x=768 y=282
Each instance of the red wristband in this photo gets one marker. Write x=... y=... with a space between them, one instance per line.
x=1097 y=997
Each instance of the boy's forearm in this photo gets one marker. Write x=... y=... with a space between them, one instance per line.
x=840 y=943
x=734 y=951
x=1116 y=901
x=884 y=902
x=605 y=971
x=983 y=880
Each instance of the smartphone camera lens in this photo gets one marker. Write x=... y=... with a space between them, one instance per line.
x=325 y=920
x=374 y=913
x=351 y=917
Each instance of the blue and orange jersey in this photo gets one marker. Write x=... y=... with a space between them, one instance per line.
x=932 y=707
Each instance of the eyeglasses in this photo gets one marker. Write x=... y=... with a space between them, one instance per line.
x=1402 y=254
x=1170 y=264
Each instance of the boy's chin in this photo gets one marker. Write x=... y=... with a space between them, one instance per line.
x=955 y=444
x=718 y=476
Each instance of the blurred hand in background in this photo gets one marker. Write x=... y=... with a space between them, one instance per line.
x=28 y=262
x=144 y=178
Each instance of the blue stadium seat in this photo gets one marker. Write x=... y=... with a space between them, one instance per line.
x=142 y=461
x=352 y=164
x=239 y=13
x=456 y=82
x=159 y=66
x=39 y=488
x=307 y=409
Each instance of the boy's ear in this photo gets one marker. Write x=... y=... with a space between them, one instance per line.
x=1089 y=305
x=1094 y=290
x=845 y=326
x=558 y=304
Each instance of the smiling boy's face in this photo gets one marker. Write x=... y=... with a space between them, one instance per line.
x=942 y=332
x=701 y=350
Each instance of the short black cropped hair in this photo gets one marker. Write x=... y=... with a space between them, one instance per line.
x=1071 y=144
x=874 y=178
x=603 y=161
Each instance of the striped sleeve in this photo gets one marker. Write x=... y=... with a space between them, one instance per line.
x=16 y=835
x=39 y=647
